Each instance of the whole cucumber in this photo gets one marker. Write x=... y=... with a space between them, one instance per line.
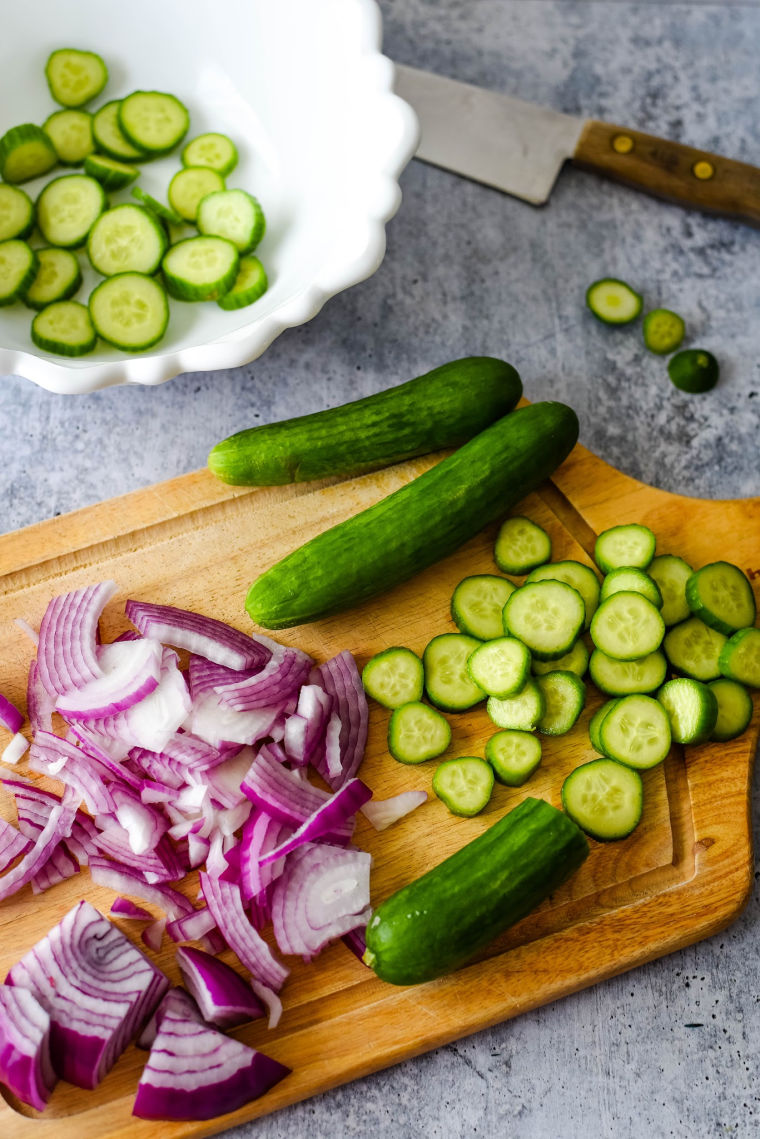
x=438 y=922
x=441 y=409
x=419 y=524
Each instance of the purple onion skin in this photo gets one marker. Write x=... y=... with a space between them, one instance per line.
x=225 y=1000
x=170 y=1104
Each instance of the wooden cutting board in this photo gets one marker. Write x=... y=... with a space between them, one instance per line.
x=684 y=874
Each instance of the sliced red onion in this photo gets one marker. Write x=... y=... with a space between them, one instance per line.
x=204 y=636
x=108 y=755
x=143 y=824
x=330 y=818
x=97 y=987
x=280 y=678
x=323 y=894
x=152 y=792
x=13 y=751
x=331 y=761
x=50 y=755
x=12 y=843
x=216 y=863
x=198 y=849
x=66 y=654
x=218 y=723
x=280 y=792
x=162 y=864
x=224 y=781
x=153 y=721
x=261 y=833
x=25 y=1065
x=203 y=675
x=125 y=880
x=60 y=866
x=10 y=717
x=314 y=707
x=130 y=671
x=340 y=678
x=270 y=1001
x=193 y=752
x=382 y=812
x=223 y=997
x=158 y=767
x=57 y=827
x=153 y=934
x=260 y=910
x=81 y=841
x=356 y=941
x=124 y=908
x=192 y=926
x=225 y=903
x=40 y=704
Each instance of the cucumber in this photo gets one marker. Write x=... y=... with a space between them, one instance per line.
x=626 y=677
x=26 y=152
x=595 y=724
x=636 y=732
x=417 y=732
x=420 y=523
x=629 y=579
x=71 y=135
x=500 y=667
x=130 y=311
x=189 y=186
x=580 y=576
x=692 y=709
x=575 y=661
x=250 y=284
x=64 y=328
x=74 y=77
x=442 y=408
x=447 y=682
x=58 y=278
x=109 y=136
x=739 y=657
x=18 y=268
x=694 y=370
x=112 y=174
x=521 y=545
x=628 y=545
x=477 y=604
x=670 y=574
x=212 y=149
x=513 y=755
x=167 y=215
x=520 y=712
x=626 y=627
x=694 y=648
x=200 y=268
x=153 y=121
x=564 y=695
x=663 y=331
x=604 y=798
x=547 y=616
x=233 y=214
x=16 y=213
x=721 y=596
x=734 y=709
x=464 y=784
x=613 y=302
x=67 y=209
x=439 y=921
x=394 y=677
x=126 y=239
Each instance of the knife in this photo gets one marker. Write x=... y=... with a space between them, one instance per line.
x=520 y=148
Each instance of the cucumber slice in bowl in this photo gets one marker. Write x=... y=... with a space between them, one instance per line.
x=18 y=268
x=721 y=596
x=233 y=214
x=26 y=152
x=58 y=278
x=692 y=709
x=67 y=209
x=126 y=239
x=636 y=732
x=130 y=311
x=250 y=284
x=112 y=174
x=16 y=213
x=153 y=121
x=71 y=134
x=64 y=328
x=74 y=77
x=212 y=149
x=200 y=268
x=189 y=187
x=604 y=798
x=110 y=138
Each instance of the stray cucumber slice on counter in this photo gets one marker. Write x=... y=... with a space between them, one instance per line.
x=18 y=268
x=158 y=208
x=58 y=278
x=71 y=134
x=627 y=677
x=694 y=370
x=694 y=648
x=67 y=209
x=250 y=284
x=627 y=545
x=74 y=77
x=604 y=798
x=671 y=574
x=734 y=709
x=636 y=731
x=200 y=268
x=417 y=732
x=595 y=724
x=547 y=616
x=109 y=136
x=26 y=152
x=629 y=579
x=126 y=239
x=613 y=302
x=477 y=604
x=578 y=575
x=464 y=784
x=521 y=545
x=564 y=695
x=692 y=709
x=626 y=627
x=154 y=121
x=64 y=328
x=212 y=149
x=16 y=213
x=500 y=667
x=112 y=174
x=130 y=311
x=189 y=187
x=520 y=712
x=233 y=214
x=663 y=331
x=575 y=661
x=447 y=682
x=740 y=657
x=721 y=596
x=513 y=755
x=394 y=677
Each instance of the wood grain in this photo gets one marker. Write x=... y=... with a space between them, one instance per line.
x=684 y=874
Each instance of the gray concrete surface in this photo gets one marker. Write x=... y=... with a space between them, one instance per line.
x=670 y=1049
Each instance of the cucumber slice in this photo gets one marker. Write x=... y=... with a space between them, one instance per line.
x=394 y=677
x=547 y=616
x=629 y=579
x=694 y=370
x=734 y=709
x=595 y=724
x=613 y=302
x=604 y=798
x=521 y=545
x=58 y=278
x=74 y=77
x=694 y=648
x=189 y=187
x=692 y=710
x=67 y=209
x=26 y=152
x=663 y=330
x=171 y=217
x=417 y=732
x=627 y=545
x=212 y=149
x=636 y=731
x=64 y=328
x=514 y=756
x=16 y=213
x=521 y=711
x=250 y=284
x=564 y=695
x=740 y=657
x=500 y=667
x=671 y=574
x=130 y=311
x=464 y=784
x=233 y=214
x=721 y=596
x=627 y=677
x=126 y=239
x=109 y=136
x=575 y=661
x=578 y=575
x=154 y=121
x=200 y=268
x=477 y=604
x=626 y=626
x=447 y=681
x=18 y=268
x=111 y=174
x=71 y=135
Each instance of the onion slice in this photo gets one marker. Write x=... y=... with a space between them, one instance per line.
x=226 y=905
x=128 y=881
x=222 y=996
x=340 y=678
x=57 y=827
x=327 y=819
x=130 y=671
x=13 y=751
x=204 y=636
x=383 y=812
x=12 y=843
x=280 y=678
x=66 y=654
x=323 y=895
x=25 y=1065
x=10 y=717
x=124 y=908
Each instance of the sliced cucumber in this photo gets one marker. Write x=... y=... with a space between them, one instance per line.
x=394 y=677
x=16 y=213
x=464 y=784
x=26 y=152
x=130 y=311
x=604 y=798
x=67 y=209
x=64 y=328
x=71 y=135
x=171 y=217
x=627 y=677
x=417 y=732
x=58 y=278
x=18 y=268
x=694 y=370
x=521 y=545
x=564 y=695
x=636 y=731
x=740 y=657
x=233 y=214
x=447 y=681
x=477 y=604
x=200 y=268
x=212 y=149
x=671 y=574
x=513 y=755
x=626 y=626
x=126 y=239
x=734 y=709
x=578 y=575
x=575 y=661
x=694 y=648
x=74 y=77
x=595 y=724
x=521 y=711
x=250 y=284
x=153 y=121
x=663 y=331
x=629 y=579
x=500 y=667
x=109 y=136
x=627 y=545
x=721 y=596
x=189 y=187
x=692 y=709
x=613 y=302
x=112 y=174
x=547 y=616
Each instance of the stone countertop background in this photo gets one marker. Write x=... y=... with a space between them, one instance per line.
x=669 y=1049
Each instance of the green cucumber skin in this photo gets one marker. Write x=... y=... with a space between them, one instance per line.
x=439 y=921
x=443 y=408
x=419 y=524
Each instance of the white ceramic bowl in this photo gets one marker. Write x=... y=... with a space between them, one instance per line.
x=302 y=88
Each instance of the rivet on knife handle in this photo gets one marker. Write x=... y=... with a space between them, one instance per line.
x=670 y=170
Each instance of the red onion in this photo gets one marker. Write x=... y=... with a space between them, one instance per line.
x=281 y=677
x=192 y=926
x=130 y=671
x=12 y=844
x=324 y=894
x=204 y=636
x=40 y=704
x=280 y=792
x=124 y=908
x=382 y=812
x=57 y=827
x=10 y=717
x=60 y=866
x=218 y=723
x=341 y=680
x=261 y=833
x=152 y=722
x=13 y=751
x=25 y=1065
x=66 y=654
x=153 y=934
x=128 y=881
x=221 y=994
x=225 y=903
x=50 y=755
x=327 y=819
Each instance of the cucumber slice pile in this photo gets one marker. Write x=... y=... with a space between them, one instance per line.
x=513 y=755
x=477 y=604
x=521 y=545
x=58 y=278
x=64 y=327
x=604 y=798
x=71 y=134
x=464 y=784
x=417 y=732
x=16 y=213
x=394 y=677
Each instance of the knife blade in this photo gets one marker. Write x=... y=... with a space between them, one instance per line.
x=520 y=148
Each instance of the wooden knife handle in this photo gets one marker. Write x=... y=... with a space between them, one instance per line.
x=670 y=170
